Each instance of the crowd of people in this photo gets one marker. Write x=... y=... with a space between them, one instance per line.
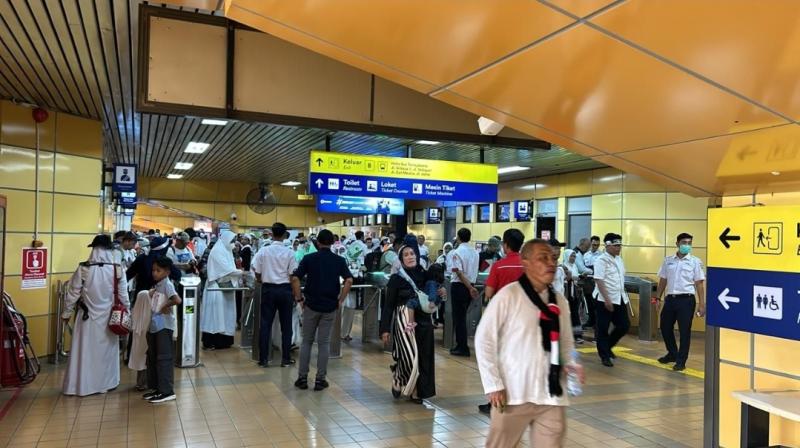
x=540 y=301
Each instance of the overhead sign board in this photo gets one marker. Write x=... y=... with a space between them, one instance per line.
x=124 y=178
x=360 y=205
x=404 y=178
x=754 y=270
x=127 y=200
x=434 y=216
x=34 y=267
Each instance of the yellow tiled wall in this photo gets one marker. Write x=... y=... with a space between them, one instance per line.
x=70 y=210
x=775 y=362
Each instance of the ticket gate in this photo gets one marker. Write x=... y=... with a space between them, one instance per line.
x=187 y=346
x=648 y=311
x=373 y=306
x=474 y=312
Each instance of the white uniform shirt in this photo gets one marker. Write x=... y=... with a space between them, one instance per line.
x=465 y=259
x=510 y=326
x=559 y=280
x=424 y=251
x=611 y=271
x=275 y=263
x=589 y=257
x=681 y=273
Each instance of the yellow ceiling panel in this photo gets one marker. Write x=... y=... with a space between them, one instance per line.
x=599 y=91
x=748 y=46
x=731 y=164
x=412 y=37
x=523 y=126
x=580 y=8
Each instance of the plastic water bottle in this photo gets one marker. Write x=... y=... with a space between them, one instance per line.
x=574 y=386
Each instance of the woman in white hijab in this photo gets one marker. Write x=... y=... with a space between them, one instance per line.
x=94 y=356
x=573 y=293
x=218 y=308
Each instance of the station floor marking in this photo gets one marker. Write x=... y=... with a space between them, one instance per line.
x=625 y=353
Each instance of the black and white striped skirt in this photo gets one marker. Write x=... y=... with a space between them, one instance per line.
x=405 y=370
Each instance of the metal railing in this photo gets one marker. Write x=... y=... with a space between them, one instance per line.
x=62 y=327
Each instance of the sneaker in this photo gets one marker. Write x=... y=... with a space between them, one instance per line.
x=679 y=366
x=149 y=395
x=288 y=363
x=301 y=383
x=485 y=408
x=666 y=359
x=320 y=385
x=161 y=398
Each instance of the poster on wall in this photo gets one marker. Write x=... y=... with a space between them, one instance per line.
x=484 y=213
x=34 y=267
x=434 y=216
x=522 y=211
x=503 y=211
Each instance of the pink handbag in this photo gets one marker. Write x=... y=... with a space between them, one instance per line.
x=120 y=320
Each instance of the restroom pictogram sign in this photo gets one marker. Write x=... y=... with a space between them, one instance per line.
x=34 y=267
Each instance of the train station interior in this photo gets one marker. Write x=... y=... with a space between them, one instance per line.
x=668 y=130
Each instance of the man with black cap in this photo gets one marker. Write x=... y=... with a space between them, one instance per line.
x=612 y=300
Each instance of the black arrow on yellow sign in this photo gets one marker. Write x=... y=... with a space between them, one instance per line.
x=724 y=237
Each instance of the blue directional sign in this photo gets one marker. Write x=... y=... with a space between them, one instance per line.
x=522 y=211
x=124 y=178
x=438 y=190
x=760 y=302
x=127 y=200
x=360 y=205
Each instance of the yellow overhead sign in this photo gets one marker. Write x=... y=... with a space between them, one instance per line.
x=401 y=168
x=756 y=238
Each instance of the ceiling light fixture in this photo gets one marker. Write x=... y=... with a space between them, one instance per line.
x=213 y=122
x=174 y=176
x=291 y=183
x=196 y=147
x=427 y=142
x=512 y=169
x=776 y=173
x=184 y=166
x=531 y=187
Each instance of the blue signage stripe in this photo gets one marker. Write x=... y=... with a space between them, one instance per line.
x=338 y=184
x=760 y=302
x=360 y=205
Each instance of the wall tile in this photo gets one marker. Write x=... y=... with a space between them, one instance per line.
x=20 y=214
x=606 y=180
x=681 y=206
x=17 y=168
x=76 y=214
x=607 y=206
x=645 y=260
x=780 y=355
x=734 y=345
x=731 y=378
x=644 y=205
x=18 y=128
x=695 y=228
x=633 y=184
x=79 y=136
x=642 y=232
x=79 y=175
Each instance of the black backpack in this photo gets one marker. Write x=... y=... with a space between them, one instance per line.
x=372 y=261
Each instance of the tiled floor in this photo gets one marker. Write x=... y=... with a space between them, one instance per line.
x=232 y=402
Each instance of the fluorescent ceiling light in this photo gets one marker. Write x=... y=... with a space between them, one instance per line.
x=213 y=122
x=427 y=142
x=184 y=166
x=196 y=147
x=291 y=183
x=174 y=176
x=531 y=187
x=512 y=169
x=776 y=173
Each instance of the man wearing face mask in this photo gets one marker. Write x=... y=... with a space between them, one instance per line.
x=682 y=276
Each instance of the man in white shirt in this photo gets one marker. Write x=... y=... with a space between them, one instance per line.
x=593 y=253
x=682 y=276
x=274 y=265
x=559 y=279
x=464 y=269
x=424 y=251
x=527 y=391
x=589 y=257
x=609 y=278
x=182 y=258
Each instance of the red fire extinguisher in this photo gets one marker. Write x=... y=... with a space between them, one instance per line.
x=18 y=362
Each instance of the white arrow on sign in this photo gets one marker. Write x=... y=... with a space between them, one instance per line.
x=725 y=299
x=319 y=183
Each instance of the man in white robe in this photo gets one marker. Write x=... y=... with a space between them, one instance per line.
x=94 y=356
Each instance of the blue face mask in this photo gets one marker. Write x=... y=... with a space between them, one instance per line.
x=684 y=249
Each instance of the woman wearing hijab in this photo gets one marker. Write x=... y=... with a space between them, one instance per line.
x=218 y=309
x=412 y=332
x=94 y=357
x=573 y=292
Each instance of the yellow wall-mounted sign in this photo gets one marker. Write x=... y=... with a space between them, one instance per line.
x=756 y=238
x=401 y=168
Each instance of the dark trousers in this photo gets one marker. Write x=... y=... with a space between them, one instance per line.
x=461 y=300
x=160 y=360
x=588 y=290
x=678 y=308
x=618 y=317
x=275 y=299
